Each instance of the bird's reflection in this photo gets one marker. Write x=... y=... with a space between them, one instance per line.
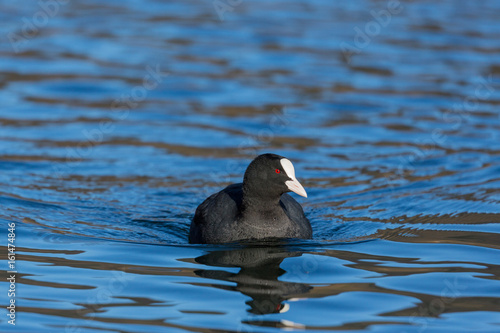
x=258 y=276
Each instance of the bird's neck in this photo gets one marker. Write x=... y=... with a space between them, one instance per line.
x=259 y=201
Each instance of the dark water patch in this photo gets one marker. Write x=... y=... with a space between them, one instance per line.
x=27 y=203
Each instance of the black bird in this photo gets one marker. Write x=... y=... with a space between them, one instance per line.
x=256 y=209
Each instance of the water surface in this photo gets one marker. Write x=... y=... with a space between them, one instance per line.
x=119 y=118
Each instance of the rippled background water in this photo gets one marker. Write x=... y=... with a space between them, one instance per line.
x=118 y=118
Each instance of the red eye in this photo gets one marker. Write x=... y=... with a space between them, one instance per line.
x=277 y=170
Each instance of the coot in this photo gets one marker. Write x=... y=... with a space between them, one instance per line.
x=256 y=209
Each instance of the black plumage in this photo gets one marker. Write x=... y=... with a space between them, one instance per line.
x=256 y=209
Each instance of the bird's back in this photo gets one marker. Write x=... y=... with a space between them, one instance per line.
x=215 y=218
x=219 y=219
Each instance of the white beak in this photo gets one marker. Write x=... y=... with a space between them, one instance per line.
x=294 y=186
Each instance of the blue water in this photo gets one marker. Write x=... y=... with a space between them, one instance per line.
x=118 y=118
